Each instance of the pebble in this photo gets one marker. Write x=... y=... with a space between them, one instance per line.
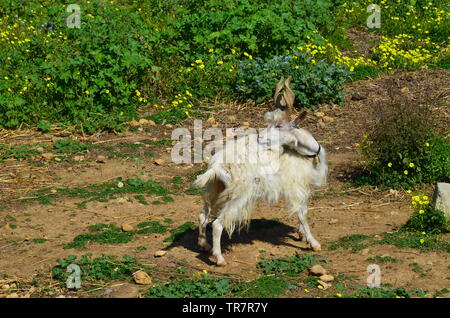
x=142 y=278
x=327 y=119
x=101 y=159
x=318 y=270
x=159 y=162
x=127 y=227
x=160 y=253
x=326 y=278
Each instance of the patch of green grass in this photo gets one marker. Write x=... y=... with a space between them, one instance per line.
x=400 y=239
x=9 y=218
x=290 y=266
x=18 y=152
x=39 y=240
x=204 y=287
x=384 y=292
x=441 y=292
x=71 y=146
x=151 y=227
x=364 y=72
x=140 y=248
x=383 y=259
x=105 y=268
x=141 y=199
x=194 y=191
x=263 y=287
x=104 y=192
x=352 y=241
x=172 y=116
x=177 y=233
x=111 y=234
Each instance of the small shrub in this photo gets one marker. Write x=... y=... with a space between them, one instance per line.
x=313 y=82
x=402 y=147
x=425 y=218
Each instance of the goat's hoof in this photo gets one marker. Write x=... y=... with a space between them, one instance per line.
x=222 y=263
x=316 y=248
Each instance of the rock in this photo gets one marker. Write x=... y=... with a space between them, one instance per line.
x=40 y=149
x=333 y=221
x=441 y=198
x=142 y=278
x=318 y=270
x=404 y=90
x=357 y=96
x=6 y=227
x=319 y=114
x=365 y=251
x=211 y=120
x=101 y=159
x=160 y=253
x=120 y=184
x=326 y=278
x=327 y=119
x=134 y=123
x=78 y=158
x=57 y=159
x=47 y=155
x=127 y=227
x=159 y=162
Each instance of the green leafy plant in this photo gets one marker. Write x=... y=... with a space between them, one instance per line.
x=105 y=268
x=402 y=147
x=313 y=82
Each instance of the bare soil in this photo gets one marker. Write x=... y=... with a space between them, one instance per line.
x=336 y=210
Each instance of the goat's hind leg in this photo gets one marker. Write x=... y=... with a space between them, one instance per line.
x=202 y=223
x=304 y=229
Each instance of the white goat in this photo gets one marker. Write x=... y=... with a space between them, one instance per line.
x=294 y=164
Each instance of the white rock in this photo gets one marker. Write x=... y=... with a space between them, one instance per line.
x=318 y=270
x=441 y=198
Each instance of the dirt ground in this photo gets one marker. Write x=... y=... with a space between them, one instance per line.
x=335 y=210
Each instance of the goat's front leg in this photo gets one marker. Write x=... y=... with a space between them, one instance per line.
x=202 y=223
x=304 y=230
x=216 y=251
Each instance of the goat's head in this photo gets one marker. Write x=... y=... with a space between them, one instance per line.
x=283 y=132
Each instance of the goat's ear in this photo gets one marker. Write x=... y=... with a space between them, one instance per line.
x=297 y=120
x=277 y=97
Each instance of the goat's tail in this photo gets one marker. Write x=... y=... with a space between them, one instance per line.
x=210 y=175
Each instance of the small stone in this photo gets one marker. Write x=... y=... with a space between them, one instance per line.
x=319 y=114
x=160 y=253
x=134 y=123
x=53 y=191
x=101 y=159
x=47 y=155
x=159 y=162
x=231 y=118
x=120 y=184
x=326 y=278
x=333 y=221
x=78 y=158
x=365 y=251
x=327 y=119
x=40 y=149
x=358 y=97
x=57 y=159
x=6 y=227
x=127 y=227
x=142 y=278
x=211 y=120
x=404 y=90
x=318 y=270
x=5 y=287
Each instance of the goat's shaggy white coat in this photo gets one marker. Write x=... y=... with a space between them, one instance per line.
x=294 y=164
